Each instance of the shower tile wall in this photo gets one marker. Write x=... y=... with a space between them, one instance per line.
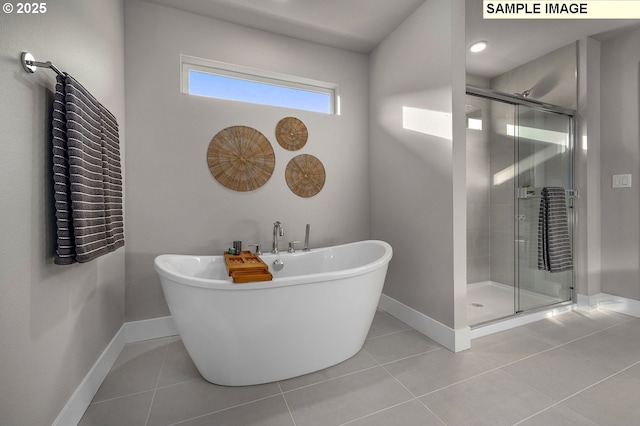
x=502 y=156
x=490 y=208
x=490 y=154
x=550 y=78
x=548 y=158
x=478 y=198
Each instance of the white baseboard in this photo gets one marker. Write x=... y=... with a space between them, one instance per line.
x=154 y=328
x=134 y=331
x=454 y=340
x=587 y=303
x=84 y=393
x=610 y=302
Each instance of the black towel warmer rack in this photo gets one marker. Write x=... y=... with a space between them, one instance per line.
x=30 y=64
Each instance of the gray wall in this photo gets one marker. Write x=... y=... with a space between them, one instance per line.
x=54 y=320
x=418 y=205
x=173 y=203
x=588 y=233
x=620 y=154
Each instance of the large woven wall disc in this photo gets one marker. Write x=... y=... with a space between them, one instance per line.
x=241 y=158
x=305 y=175
x=291 y=133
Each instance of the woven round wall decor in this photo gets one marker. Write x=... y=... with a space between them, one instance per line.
x=291 y=133
x=241 y=158
x=305 y=175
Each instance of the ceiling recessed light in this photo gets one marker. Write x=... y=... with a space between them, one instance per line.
x=478 y=46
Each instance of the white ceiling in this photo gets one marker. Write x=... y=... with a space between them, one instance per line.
x=360 y=25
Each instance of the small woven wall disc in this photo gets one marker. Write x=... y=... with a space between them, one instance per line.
x=241 y=158
x=305 y=175
x=291 y=133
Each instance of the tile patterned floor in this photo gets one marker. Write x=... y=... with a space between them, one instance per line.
x=577 y=368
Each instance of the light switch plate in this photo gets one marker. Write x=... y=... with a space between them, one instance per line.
x=621 y=181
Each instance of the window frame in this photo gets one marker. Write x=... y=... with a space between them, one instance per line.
x=254 y=75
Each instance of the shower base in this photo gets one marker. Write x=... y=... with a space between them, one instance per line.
x=489 y=301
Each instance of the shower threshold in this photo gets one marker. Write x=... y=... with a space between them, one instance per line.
x=521 y=318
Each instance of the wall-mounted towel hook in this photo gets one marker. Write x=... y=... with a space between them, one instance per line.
x=30 y=64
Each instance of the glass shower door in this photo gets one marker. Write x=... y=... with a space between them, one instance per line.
x=543 y=159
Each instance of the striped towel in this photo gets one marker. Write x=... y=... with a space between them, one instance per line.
x=87 y=175
x=554 y=244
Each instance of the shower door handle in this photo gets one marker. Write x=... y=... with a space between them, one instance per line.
x=528 y=192
x=524 y=192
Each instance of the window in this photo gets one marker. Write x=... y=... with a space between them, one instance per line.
x=214 y=79
x=474 y=123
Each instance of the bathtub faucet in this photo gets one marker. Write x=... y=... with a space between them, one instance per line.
x=306 y=238
x=277 y=230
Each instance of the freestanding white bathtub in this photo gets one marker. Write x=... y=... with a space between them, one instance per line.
x=316 y=312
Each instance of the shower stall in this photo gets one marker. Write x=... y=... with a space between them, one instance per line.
x=516 y=147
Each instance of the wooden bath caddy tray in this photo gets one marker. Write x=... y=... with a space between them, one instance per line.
x=246 y=267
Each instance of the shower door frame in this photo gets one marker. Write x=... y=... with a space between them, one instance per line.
x=518 y=100
x=514 y=100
